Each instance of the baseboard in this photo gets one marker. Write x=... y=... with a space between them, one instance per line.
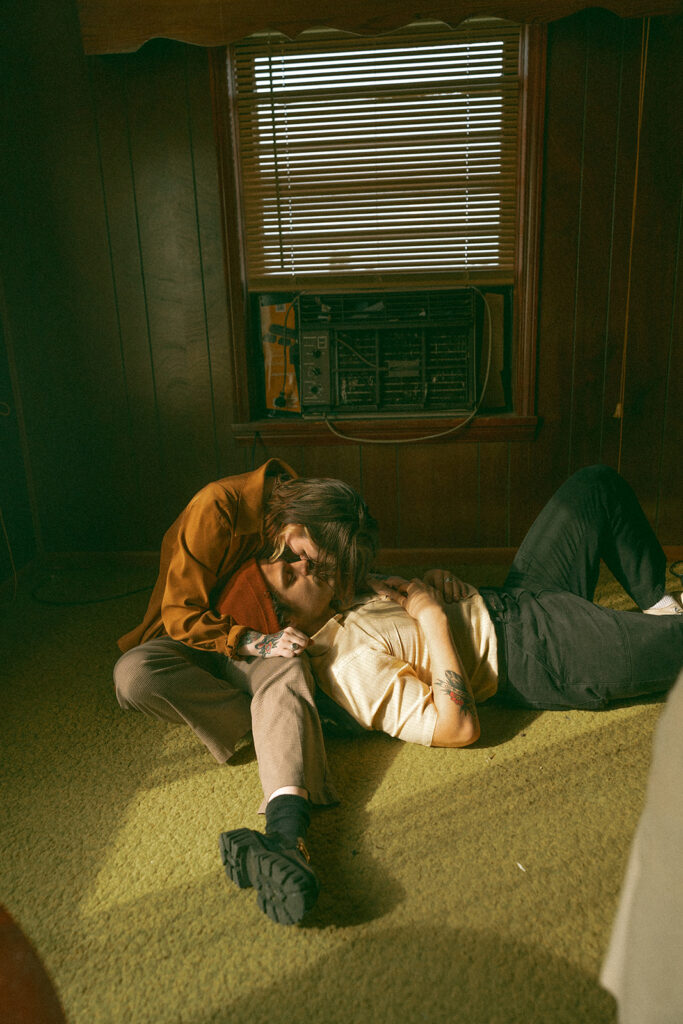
x=435 y=557
x=86 y=559
x=429 y=557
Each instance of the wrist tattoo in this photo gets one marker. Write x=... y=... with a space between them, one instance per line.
x=249 y=636
x=455 y=687
x=267 y=642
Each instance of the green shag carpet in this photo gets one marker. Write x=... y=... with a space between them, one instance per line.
x=474 y=886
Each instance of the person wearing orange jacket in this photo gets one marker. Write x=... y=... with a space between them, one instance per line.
x=187 y=662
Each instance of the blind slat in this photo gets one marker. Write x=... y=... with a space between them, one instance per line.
x=379 y=155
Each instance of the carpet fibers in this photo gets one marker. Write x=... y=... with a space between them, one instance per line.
x=473 y=886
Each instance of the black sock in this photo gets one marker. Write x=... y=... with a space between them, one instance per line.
x=290 y=815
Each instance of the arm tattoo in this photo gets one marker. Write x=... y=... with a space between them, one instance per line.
x=454 y=685
x=267 y=642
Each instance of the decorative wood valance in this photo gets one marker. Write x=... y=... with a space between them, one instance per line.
x=121 y=26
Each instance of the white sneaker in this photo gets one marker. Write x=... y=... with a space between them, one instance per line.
x=675 y=608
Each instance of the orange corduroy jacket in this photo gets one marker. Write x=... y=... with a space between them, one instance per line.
x=212 y=537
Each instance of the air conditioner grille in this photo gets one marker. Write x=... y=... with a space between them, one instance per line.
x=373 y=353
x=386 y=308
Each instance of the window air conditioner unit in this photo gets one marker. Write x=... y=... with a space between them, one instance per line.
x=370 y=354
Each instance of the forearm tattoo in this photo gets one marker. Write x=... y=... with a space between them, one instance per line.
x=267 y=642
x=455 y=687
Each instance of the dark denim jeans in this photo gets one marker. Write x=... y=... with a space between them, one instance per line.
x=556 y=648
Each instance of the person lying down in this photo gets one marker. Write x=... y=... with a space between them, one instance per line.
x=415 y=658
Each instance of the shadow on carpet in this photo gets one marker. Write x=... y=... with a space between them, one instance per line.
x=472 y=885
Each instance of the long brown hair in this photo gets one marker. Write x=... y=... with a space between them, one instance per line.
x=338 y=521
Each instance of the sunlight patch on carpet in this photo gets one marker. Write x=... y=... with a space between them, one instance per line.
x=168 y=830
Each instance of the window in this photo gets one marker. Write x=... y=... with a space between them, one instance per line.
x=383 y=165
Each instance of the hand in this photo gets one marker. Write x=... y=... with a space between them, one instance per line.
x=386 y=586
x=448 y=585
x=421 y=601
x=290 y=642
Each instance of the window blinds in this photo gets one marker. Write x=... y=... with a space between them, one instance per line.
x=391 y=158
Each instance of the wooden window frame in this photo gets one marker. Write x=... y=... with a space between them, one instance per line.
x=519 y=424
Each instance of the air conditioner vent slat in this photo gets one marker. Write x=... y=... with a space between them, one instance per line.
x=386 y=352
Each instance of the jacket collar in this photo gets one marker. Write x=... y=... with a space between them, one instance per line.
x=252 y=495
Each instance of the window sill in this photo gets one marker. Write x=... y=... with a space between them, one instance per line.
x=502 y=427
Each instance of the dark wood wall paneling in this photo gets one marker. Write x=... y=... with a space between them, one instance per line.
x=17 y=533
x=591 y=128
x=19 y=528
x=653 y=426
x=118 y=304
x=161 y=204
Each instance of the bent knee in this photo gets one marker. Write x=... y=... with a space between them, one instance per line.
x=284 y=679
x=598 y=476
x=133 y=679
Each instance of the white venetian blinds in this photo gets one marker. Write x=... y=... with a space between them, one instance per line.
x=385 y=159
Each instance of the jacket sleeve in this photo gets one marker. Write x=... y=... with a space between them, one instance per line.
x=198 y=558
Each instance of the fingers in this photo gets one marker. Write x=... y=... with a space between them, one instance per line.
x=452 y=588
x=391 y=587
x=396 y=593
x=288 y=643
x=380 y=583
x=437 y=582
x=405 y=590
x=458 y=588
x=293 y=642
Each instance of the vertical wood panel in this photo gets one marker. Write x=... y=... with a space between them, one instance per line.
x=17 y=537
x=89 y=343
x=380 y=488
x=562 y=225
x=141 y=440
x=169 y=244
x=669 y=507
x=595 y=256
x=622 y=199
x=71 y=381
x=530 y=488
x=346 y=465
x=493 y=495
x=438 y=495
x=210 y=254
x=653 y=278
x=669 y=513
x=533 y=478
x=18 y=206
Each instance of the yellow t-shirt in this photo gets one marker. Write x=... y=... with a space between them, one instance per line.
x=373 y=660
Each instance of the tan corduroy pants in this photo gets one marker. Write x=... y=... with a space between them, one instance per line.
x=222 y=698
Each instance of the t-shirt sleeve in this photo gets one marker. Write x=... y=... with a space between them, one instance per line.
x=382 y=692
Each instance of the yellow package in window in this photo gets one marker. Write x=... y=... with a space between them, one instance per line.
x=279 y=341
